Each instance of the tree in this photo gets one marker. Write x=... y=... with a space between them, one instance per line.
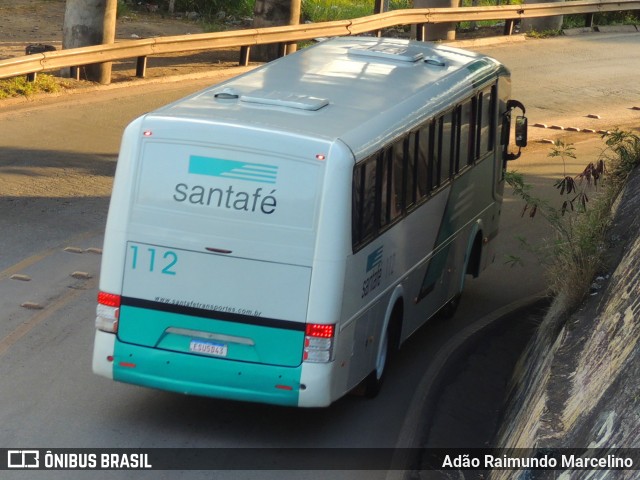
x=542 y=24
x=271 y=13
x=90 y=22
x=439 y=31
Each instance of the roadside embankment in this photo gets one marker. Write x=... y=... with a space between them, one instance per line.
x=578 y=383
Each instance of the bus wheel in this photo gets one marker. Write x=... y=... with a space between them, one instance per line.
x=449 y=310
x=373 y=383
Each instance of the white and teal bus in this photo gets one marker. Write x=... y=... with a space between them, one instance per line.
x=272 y=238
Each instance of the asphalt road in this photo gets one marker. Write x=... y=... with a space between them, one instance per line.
x=48 y=396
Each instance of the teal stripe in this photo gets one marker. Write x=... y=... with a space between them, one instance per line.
x=374 y=258
x=218 y=167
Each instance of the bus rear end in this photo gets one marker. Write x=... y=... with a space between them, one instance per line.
x=208 y=262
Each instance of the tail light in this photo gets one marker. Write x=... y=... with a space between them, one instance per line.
x=318 y=343
x=108 y=312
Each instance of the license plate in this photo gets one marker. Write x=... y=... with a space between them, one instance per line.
x=208 y=348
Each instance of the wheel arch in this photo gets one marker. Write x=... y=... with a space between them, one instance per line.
x=473 y=257
x=394 y=317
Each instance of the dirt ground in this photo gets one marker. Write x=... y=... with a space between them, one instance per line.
x=25 y=22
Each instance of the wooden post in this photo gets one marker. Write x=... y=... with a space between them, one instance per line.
x=294 y=19
x=380 y=6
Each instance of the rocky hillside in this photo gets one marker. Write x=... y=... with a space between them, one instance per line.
x=579 y=383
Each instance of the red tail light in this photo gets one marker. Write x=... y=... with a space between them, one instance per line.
x=109 y=299
x=320 y=331
x=318 y=343
x=108 y=312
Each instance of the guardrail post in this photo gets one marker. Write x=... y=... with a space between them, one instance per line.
x=508 y=27
x=421 y=32
x=588 y=20
x=74 y=72
x=245 y=53
x=282 y=49
x=141 y=67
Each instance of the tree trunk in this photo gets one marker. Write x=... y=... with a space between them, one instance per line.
x=90 y=22
x=271 y=13
x=439 y=31
x=542 y=24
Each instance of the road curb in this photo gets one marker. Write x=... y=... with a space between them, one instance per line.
x=487 y=41
x=424 y=397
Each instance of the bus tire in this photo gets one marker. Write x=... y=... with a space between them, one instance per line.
x=373 y=382
x=450 y=308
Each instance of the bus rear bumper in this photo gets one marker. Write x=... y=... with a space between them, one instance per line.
x=103 y=345
x=206 y=376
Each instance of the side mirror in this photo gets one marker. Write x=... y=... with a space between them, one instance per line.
x=521 y=131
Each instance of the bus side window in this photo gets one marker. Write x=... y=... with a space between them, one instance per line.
x=397 y=180
x=385 y=192
x=411 y=174
x=356 y=207
x=363 y=198
x=424 y=176
x=455 y=140
x=368 y=220
x=447 y=148
x=435 y=152
x=466 y=132
x=485 y=130
x=391 y=178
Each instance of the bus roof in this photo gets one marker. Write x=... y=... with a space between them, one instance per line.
x=356 y=89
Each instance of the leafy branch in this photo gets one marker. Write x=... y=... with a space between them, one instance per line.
x=579 y=243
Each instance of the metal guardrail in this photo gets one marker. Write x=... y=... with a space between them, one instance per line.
x=245 y=39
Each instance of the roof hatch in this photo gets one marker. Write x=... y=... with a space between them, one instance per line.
x=285 y=99
x=400 y=53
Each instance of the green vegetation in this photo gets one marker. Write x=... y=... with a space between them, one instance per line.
x=544 y=33
x=19 y=86
x=609 y=18
x=211 y=8
x=312 y=10
x=576 y=253
x=124 y=9
x=466 y=26
x=329 y=10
